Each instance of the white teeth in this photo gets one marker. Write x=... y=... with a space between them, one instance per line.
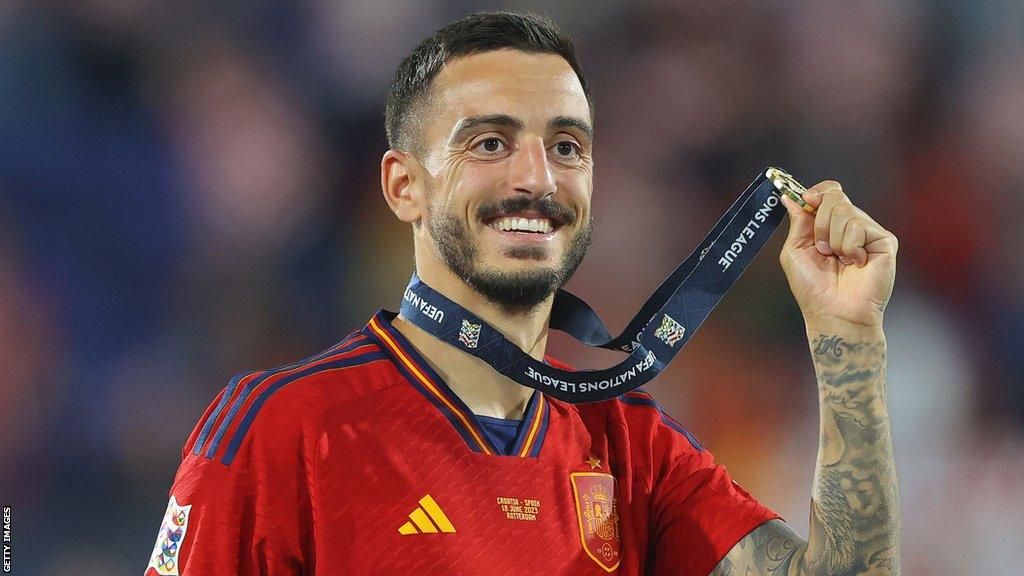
x=542 y=225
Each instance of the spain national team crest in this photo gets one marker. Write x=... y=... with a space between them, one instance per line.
x=169 y=540
x=469 y=335
x=598 y=516
x=670 y=331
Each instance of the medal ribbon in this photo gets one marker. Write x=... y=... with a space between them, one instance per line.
x=652 y=338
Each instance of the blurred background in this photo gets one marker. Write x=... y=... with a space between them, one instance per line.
x=190 y=189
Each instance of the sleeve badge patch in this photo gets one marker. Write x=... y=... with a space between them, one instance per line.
x=598 y=517
x=169 y=540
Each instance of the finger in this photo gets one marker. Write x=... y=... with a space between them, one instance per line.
x=853 y=241
x=841 y=216
x=831 y=196
x=876 y=238
x=814 y=195
x=801 y=225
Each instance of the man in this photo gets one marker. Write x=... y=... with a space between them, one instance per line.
x=395 y=453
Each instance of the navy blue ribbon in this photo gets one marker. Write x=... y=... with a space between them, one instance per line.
x=652 y=338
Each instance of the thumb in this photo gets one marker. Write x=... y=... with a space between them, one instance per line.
x=801 y=225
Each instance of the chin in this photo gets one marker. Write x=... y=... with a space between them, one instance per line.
x=528 y=254
x=514 y=262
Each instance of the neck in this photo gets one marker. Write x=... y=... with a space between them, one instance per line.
x=527 y=329
x=484 y=391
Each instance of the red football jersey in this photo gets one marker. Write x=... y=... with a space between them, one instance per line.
x=361 y=460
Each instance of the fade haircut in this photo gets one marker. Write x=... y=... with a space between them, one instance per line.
x=474 y=34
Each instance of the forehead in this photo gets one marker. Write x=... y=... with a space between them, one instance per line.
x=532 y=87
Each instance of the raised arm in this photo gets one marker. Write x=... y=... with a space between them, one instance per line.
x=854 y=525
x=841 y=267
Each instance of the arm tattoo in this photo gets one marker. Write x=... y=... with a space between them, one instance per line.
x=854 y=507
x=772 y=548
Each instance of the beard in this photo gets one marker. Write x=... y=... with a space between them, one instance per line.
x=515 y=291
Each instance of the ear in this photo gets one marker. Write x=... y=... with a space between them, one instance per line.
x=399 y=181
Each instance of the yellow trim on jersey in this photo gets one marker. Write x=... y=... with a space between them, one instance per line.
x=537 y=417
x=426 y=381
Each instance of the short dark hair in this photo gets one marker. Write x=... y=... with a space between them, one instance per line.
x=473 y=34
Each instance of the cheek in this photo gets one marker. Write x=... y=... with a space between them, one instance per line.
x=577 y=188
x=473 y=183
x=481 y=176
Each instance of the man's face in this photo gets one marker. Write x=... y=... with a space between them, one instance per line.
x=507 y=148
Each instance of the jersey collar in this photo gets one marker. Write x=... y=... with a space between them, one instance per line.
x=427 y=382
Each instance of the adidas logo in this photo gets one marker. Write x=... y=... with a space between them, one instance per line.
x=420 y=519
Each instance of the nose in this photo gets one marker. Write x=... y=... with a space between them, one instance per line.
x=530 y=171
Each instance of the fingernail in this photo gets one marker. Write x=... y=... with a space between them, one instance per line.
x=824 y=248
x=846 y=261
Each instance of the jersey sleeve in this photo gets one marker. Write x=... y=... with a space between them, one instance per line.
x=699 y=512
x=241 y=509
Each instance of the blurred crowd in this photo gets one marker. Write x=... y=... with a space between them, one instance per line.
x=190 y=189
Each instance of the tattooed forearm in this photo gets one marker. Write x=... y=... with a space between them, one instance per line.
x=772 y=549
x=854 y=508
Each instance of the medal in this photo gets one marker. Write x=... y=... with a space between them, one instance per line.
x=665 y=322
x=788 y=185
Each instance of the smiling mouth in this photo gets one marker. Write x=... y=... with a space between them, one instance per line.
x=522 y=224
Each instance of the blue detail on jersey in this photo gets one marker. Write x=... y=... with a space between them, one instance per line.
x=228 y=392
x=250 y=415
x=237 y=404
x=665 y=418
x=256 y=382
x=502 y=432
x=541 y=432
x=529 y=415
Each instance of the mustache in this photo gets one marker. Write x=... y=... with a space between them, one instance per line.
x=544 y=206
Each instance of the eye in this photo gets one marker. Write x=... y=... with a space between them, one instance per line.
x=490 y=145
x=567 y=149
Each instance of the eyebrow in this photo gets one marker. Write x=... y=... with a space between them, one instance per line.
x=570 y=122
x=468 y=124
